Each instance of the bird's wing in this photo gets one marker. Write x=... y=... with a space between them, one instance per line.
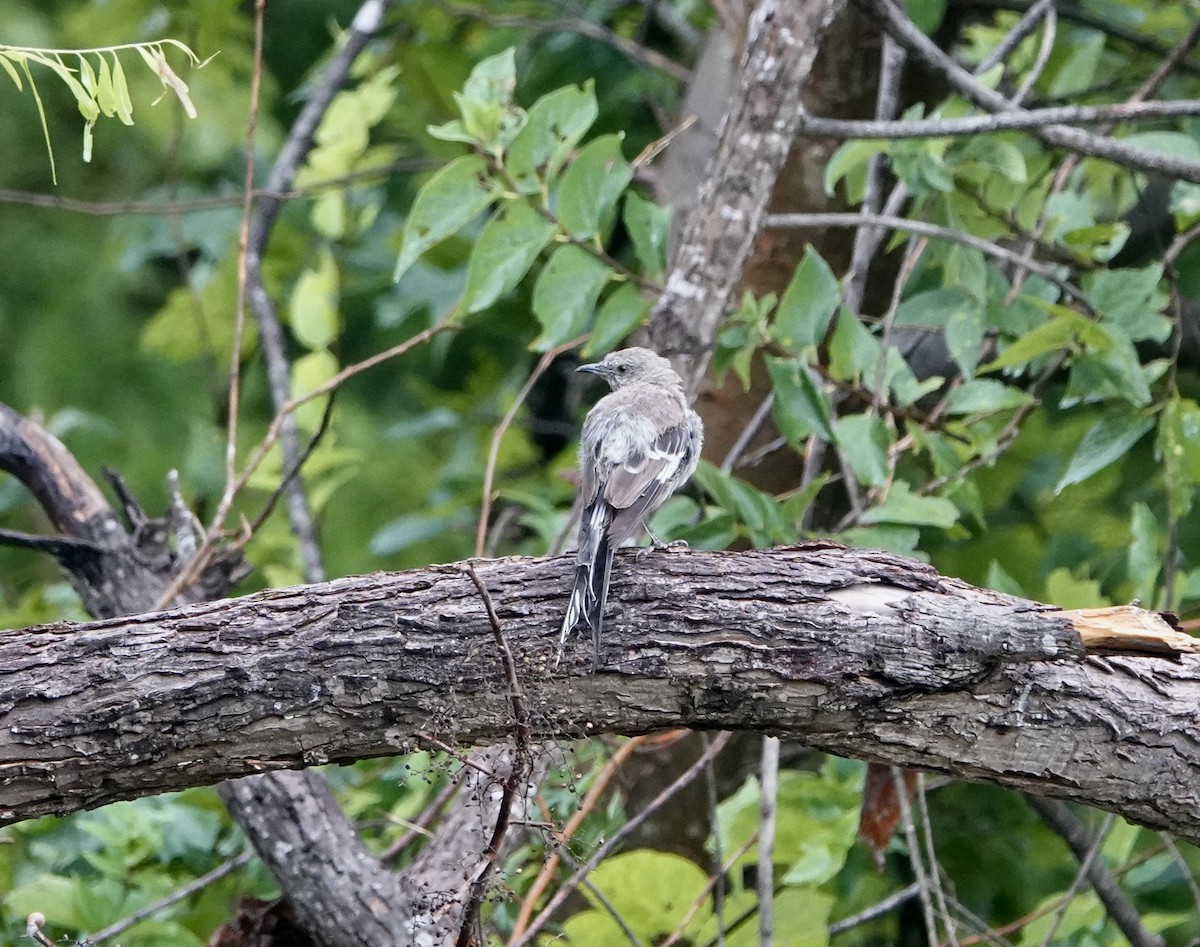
x=644 y=477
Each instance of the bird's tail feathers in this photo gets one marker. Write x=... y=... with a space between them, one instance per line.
x=598 y=593
x=590 y=588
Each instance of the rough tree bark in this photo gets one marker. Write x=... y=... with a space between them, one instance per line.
x=862 y=654
x=782 y=38
x=341 y=894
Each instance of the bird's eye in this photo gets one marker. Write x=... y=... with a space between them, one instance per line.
x=622 y=369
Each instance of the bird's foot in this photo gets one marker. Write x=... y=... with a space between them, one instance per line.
x=657 y=545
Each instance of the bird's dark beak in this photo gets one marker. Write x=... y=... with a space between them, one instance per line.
x=594 y=369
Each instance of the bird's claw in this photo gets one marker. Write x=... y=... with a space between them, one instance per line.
x=656 y=546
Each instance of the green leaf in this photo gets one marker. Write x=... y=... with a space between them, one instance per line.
x=1113 y=372
x=313 y=309
x=591 y=186
x=1131 y=299
x=1185 y=196
x=966 y=268
x=11 y=70
x=1052 y=336
x=907 y=508
x=649 y=227
x=1116 y=431
x=933 y=308
x=310 y=372
x=649 y=890
x=1068 y=591
x=984 y=396
x=1175 y=144
x=964 y=337
x=506 y=248
x=485 y=101
x=808 y=303
x=453 y=130
x=493 y=79
x=1078 y=70
x=121 y=87
x=853 y=350
x=927 y=14
x=87 y=75
x=106 y=94
x=1178 y=445
x=447 y=201
x=903 y=383
x=997 y=157
x=864 y=441
x=556 y=123
x=851 y=161
x=565 y=294
x=624 y=310
x=54 y=896
x=800 y=407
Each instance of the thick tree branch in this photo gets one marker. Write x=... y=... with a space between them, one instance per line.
x=781 y=43
x=861 y=654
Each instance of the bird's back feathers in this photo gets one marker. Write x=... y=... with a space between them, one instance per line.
x=640 y=443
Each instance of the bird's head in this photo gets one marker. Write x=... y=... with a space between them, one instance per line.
x=634 y=365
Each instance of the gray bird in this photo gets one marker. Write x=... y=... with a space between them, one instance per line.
x=640 y=443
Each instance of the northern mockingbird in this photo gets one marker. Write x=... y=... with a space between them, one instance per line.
x=640 y=443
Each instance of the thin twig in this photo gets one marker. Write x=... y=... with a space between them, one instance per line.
x=617 y=838
x=489 y=471
x=1188 y=878
x=590 y=801
x=1021 y=29
x=718 y=890
x=421 y=824
x=283 y=172
x=1045 y=48
x=294 y=469
x=923 y=228
x=239 y=330
x=515 y=775
x=766 y=840
x=1007 y=434
x=1044 y=909
x=817 y=127
x=1118 y=907
x=604 y=902
x=33 y=929
x=715 y=883
x=866 y=239
x=914 y=856
x=748 y=432
x=199 y=205
x=187 y=890
x=893 y=19
x=1085 y=865
x=197 y=565
x=935 y=872
x=1066 y=168
x=1078 y=14
x=886 y=906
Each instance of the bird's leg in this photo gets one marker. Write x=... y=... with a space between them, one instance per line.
x=657 y=545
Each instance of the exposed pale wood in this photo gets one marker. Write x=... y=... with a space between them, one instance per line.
x=1124 y=628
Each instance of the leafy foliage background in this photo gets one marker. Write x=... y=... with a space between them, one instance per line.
x=116 y=323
